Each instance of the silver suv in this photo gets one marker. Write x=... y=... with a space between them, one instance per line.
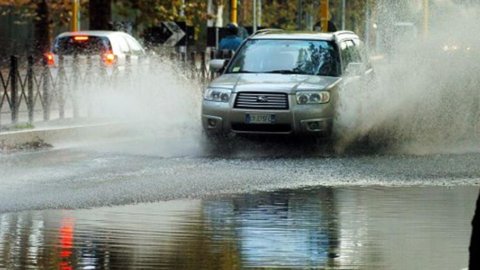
x=283 y=83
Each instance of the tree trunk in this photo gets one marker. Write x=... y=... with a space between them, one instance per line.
x=42 y=28
x=100 y=14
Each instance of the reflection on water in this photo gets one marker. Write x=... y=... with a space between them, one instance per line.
x=322 y=228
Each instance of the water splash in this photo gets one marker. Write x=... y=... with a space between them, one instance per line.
x=156 y=101
x=427 y=98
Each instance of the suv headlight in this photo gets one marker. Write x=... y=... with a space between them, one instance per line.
x=317 y=97
x=217 y=94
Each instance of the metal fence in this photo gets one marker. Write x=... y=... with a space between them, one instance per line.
x=33 y=91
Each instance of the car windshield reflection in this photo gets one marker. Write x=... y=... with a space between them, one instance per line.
x=311 y=57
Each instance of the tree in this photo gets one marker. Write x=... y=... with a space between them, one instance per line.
x=42 y=28
x=46 y=15
x=100 y=14
x=152 y=12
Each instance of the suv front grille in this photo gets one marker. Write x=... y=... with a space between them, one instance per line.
x=261 y=101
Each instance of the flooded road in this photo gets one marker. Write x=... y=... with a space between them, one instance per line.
x=138 y=205
x=322 y=228
x=131 y=172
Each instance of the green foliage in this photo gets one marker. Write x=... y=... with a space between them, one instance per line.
x=59 y=10
x=283 y=13
x=23 y=126
x=152 y=12
x=145 y=13
x=275 y=14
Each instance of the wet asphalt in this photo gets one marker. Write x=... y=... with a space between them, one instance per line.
x=138 y=203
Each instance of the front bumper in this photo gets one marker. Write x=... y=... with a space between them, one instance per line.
x=315 y=119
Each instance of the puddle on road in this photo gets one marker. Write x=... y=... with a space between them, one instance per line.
x=323 y=228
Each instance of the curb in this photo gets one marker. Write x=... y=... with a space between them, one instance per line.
x=54 y=135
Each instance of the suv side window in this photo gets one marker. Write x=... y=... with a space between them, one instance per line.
x=349 y=53
x=353 y=51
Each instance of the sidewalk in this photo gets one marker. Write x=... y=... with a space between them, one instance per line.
x=61 y=130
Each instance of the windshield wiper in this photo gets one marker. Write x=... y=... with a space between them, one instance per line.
x=285 y=71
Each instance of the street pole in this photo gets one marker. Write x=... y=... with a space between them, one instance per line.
x=344 y=10
x=367 y=23
x=259 y=22
x=254 y=16
x=426 y=15
x=182 y=10
x=234 y=12
x=324 y=15
x=210 y=11
x=75 y=15
x=299 y=14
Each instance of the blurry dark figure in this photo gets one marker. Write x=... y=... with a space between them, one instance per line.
x=474 y=249
x=242 y=32
x=232 y=41
x=331 y=27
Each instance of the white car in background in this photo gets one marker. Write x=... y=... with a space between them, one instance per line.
x=109 y=48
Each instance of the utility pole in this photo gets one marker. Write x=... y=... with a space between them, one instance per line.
x=324 y=15
x=344 y=11
x=183 y=48
x=182 y=10
x=75 y=15
x=426 y=17
x=300 y=14
x=254 y=16
x=367 y=23
x=210 y=11
x=259 y=21
x=234 y=12
x=219 y=20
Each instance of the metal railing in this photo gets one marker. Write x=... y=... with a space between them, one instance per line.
x=31 y=91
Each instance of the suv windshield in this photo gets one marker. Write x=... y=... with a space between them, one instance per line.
x=84 y=45
x=311 y=57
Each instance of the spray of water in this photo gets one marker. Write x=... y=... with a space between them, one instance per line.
x=425 y=99
x=427 y=95
x=157 y=102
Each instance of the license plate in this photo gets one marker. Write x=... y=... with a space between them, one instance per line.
x=259 y=118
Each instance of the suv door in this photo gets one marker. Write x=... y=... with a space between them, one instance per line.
x=353 y=94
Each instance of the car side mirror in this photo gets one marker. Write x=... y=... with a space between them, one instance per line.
x=354 y=69
x=217 y=64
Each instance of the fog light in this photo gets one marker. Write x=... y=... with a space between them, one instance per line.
x=212 y=122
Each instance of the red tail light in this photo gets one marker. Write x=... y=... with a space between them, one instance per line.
x=109 y=58
x=49 y=59
x=80 y=38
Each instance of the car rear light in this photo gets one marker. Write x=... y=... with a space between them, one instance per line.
x=49 y=59
x=109 y=58
x=80 y=38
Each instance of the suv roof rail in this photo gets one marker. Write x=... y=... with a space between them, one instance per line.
x=267 y=30
x=343 y=32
